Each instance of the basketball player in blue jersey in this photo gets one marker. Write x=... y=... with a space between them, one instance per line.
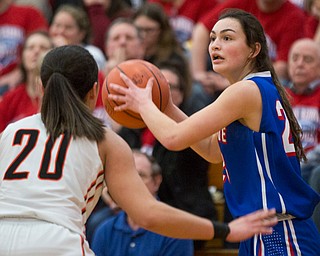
x=251 y=128
x=54 y=164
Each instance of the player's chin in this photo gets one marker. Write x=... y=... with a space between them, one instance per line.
x=221 y=69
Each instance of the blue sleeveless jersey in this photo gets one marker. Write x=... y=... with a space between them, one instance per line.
x=261 y=169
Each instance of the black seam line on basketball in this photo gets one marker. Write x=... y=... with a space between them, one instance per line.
x=125 y=111
x=158 y=84
x=120 y=70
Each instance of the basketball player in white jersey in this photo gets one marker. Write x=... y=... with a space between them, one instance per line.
x=54 y=164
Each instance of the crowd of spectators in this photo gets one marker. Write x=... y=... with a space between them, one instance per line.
x=174 y=35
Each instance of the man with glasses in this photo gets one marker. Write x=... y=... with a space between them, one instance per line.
x=122 y=236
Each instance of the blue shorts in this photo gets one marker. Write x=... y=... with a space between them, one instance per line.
x=289 y=238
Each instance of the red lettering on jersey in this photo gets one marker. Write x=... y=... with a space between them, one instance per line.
x=225 y=173
x=222 y=136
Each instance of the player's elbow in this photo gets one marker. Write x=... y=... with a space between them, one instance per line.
x=153 y=215
x=150 y=220
x=172 y=143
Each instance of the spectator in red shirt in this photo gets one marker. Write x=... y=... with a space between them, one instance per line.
x=312 y=24
x=184 y=14
x=16 y=22
x=101 y=13
x=44 y=6
x=25 y=99
x=304 y=89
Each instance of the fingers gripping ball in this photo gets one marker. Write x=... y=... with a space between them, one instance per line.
x=139 y=71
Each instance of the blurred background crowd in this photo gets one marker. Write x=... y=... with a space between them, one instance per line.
x=173 y=35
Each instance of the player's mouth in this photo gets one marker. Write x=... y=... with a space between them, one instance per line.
x=216 y=57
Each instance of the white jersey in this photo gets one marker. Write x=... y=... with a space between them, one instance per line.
x=57 y=182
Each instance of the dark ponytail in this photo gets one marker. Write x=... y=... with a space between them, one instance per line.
x=68 y=73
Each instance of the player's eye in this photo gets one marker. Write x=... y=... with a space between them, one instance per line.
x=212 y=38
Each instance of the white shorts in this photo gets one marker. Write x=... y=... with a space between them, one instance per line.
x=32 y=237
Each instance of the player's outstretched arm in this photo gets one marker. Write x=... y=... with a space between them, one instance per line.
x=130 y=193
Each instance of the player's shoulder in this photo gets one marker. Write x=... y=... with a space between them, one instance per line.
x=243 y=88
x=114 y=146
x=112 y=139
x=30 y=122
x=27 y=123
x=261 y=79
x=249 y=89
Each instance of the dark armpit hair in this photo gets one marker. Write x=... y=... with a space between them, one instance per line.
x=68 y=73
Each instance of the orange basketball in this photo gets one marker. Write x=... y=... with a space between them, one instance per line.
x=139 y=71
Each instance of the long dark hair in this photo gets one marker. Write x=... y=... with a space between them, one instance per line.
x=255 y=33
x=68 y=73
